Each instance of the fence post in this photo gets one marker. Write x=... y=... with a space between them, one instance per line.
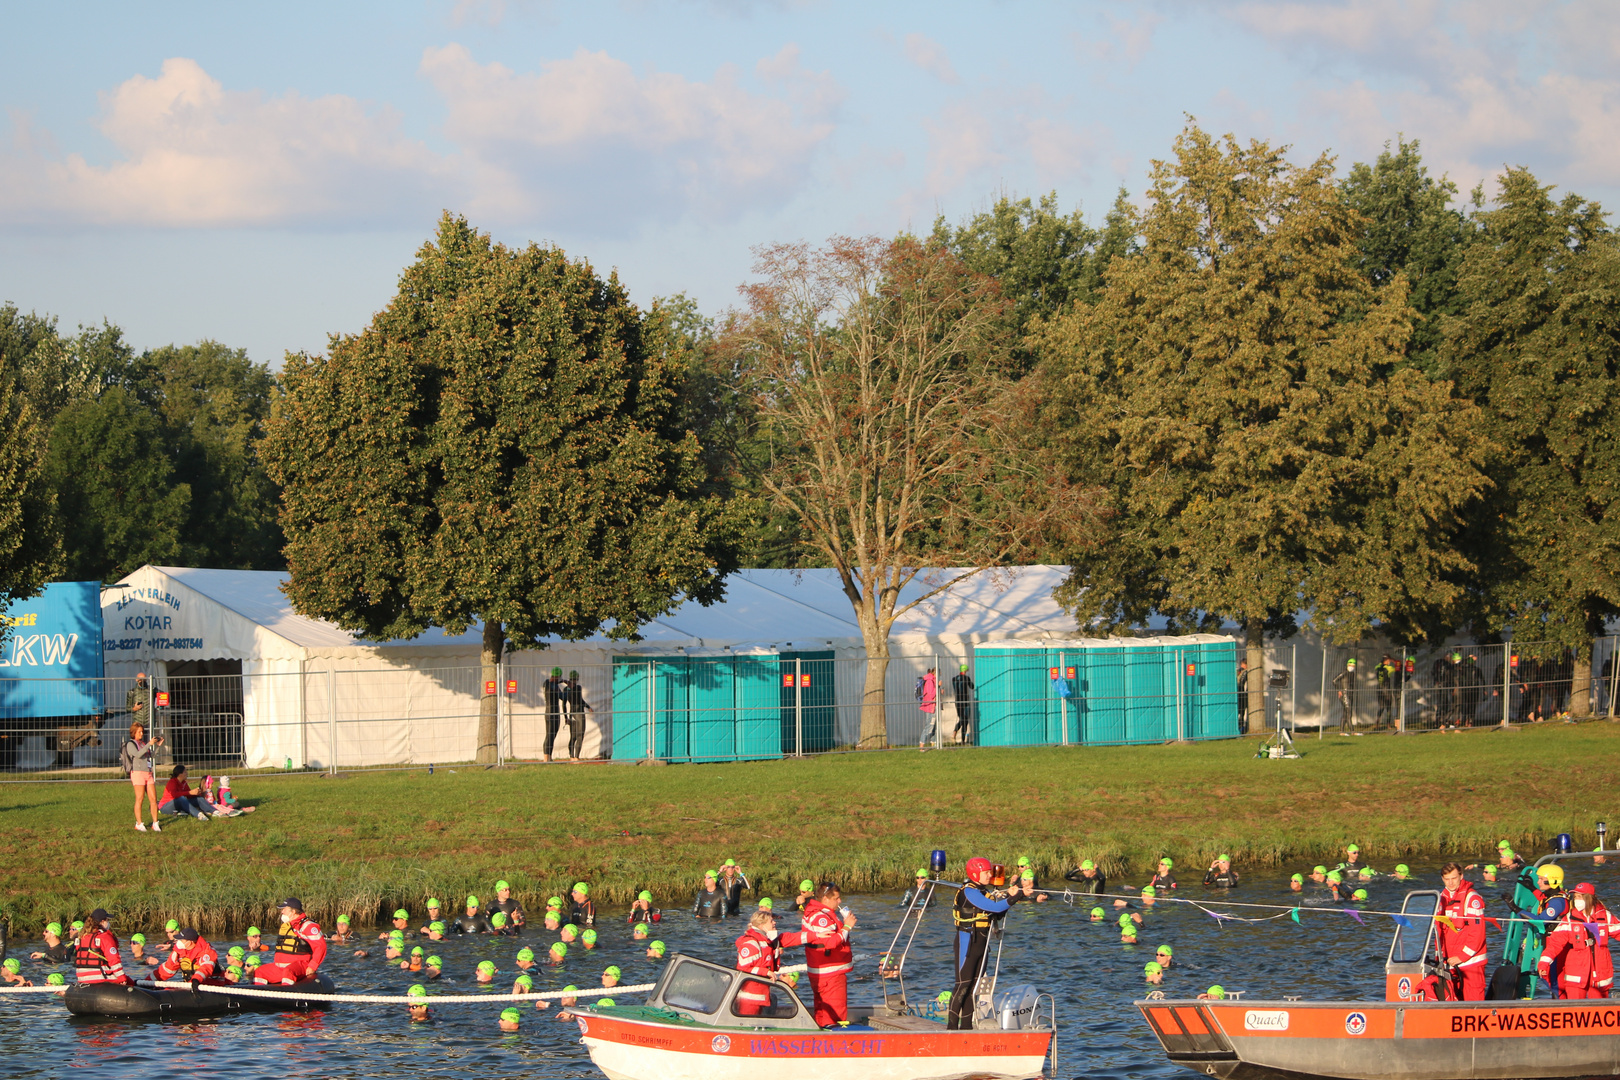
x=1322 y=701
x=651 y=750
x=1614 y=671
x=500 y=688
x=331 y=718
x=798 y=706
x=1181 y=686
x=1507 y=682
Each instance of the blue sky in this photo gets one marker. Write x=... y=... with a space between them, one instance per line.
x=260 y=174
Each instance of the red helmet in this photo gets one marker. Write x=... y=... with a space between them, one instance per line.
x=977 y=866
x=1586 y=887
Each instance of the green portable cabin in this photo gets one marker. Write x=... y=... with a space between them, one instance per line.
x=817 y=701
x=1211 y=693
x=1150 y=690
x=1104 y=691
x=706 y=705
x=1015 y=692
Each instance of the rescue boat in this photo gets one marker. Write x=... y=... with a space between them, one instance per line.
x=690 y=1029
x=1406 y=1036
x=156 y=1003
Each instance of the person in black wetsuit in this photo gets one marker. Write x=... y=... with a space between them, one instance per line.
x=1090 y=879
x=1163 y=880
x=508 y=904
x=57 y=950
x=710 y=902
x=921 y=891
x=1220 y=874
x=473 y=922
x=552 y=691
x=732 y=884
x=583 y=912
x=962 y=686
x=575 y=706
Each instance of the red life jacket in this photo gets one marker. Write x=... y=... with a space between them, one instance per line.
x=95 y=959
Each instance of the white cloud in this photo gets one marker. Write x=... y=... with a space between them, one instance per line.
x=191 y=153
x=929 y=55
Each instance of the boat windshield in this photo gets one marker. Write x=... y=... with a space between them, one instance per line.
x=697 y=987
x=1412 y=939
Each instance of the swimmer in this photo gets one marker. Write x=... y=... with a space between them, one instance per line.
x=1098 y=914
x=1089 y=878
x=1164 y=879
x=1359 y=896
x=1319 y=874
x=807 y=889
x=11 y=972
x=766 y=904
x=435 y=967
x=472 y=922
x=251 y=964
x=498 y=927
x=436 y=931
x=1334 y=880
x=402 y=923
x=137 y=951
x=1149 y=896
x=56 y=949
x=343 y=934
x=1297 y=883
x=433 y=915
x=1027 y=880
x=918 y=893
x=583 y=910
x=1127 y=930
x=1367 y=873
x=1490 y=873
x=233 y=973
x=558 y=953
x=1214 y=993
x=525 y=959
x=1352 y=860
x=509 y=1019
x=553 y=903
x=568 y=998
x=255 y=940
x=523 y=984
x=570 y=933
x=507 y=904
x=655 y=951
x=642 y=909
x=1401 y=872
x=605 y=1003
x=588 y=939
x=1163 y=956
x=610 y=977
x=418 y=955
x=396 y=949
x=553 y=919
x=56 y=978
x=235 y=955
x=418 y=1007
x=1153 y=973
x=640 y=932
x=486 y=971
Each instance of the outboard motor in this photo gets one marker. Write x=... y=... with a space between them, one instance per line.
x=1014 y=1008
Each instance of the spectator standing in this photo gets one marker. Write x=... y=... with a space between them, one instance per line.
x=928 y=702
x=966 y=707
x=576 y=706
x=136 y=759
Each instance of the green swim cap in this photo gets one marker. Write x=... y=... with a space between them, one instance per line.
x=1152 y=968
x=569 y=928
x=1318 y=869
x=1097 y=913
x=524 y=981
x=1367 y=871
x=1217 y=991
x=486 y=967
x=644 y=928
x=174 y=924
x=569 y=987
x=472 y=901
x=236 y=952
x=55 y=979
x=1401 y=868
x=252 y=961
x=56 y=928
x=1148 y=890
x=499 y=885
x=435 y=927
x=511 y=1016
x=402 y=914
x=1299 y=878
x=12 y=964
x=1352 y=850
x=582 y=888
x=560 y=948
x=1023 y=860
x=1030 y=877
x=418 y=990
x=1127 y=922
x=417 y=950
x=135 y=939
x=944 y=997
x=712 y=873
x=525 y=953
x=921 y=873
x=1165 y=950
x=554 y=902
x=613 y=969
x=233 y=969
x=434 y=961
x=433 y=902
x=605 y=1003
x=1223 y=858
x=252 y=931
x=556 y=673
x=644 y=895
x=343 y=920
x=1359 y=894
x=806 y=885
x=396 y=935
x=729 y=862
x=658 y=947
x=498 y=919
x=589 y=935
x=1087 y=864
x=1334 y=877
x=767 y=904
x=1167 y=862
x=1502 y=845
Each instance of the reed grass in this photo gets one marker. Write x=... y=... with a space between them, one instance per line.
x=364 y=844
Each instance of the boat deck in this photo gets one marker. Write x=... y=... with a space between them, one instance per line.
x=884 y=1022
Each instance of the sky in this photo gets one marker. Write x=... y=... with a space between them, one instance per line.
x=260 y=174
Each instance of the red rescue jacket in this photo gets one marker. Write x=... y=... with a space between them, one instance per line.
x=301 y=937
x=1466 y=910
x=96 y=960
x=1576 y=958
x=200 y=960
x=757 y=954
x=826 y=942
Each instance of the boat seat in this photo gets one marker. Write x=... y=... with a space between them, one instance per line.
x=890 y=1022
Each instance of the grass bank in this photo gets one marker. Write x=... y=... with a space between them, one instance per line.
x=367 y=843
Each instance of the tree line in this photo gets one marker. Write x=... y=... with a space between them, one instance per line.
x=1265 y=389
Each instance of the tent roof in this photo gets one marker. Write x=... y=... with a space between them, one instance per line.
x=799 y=608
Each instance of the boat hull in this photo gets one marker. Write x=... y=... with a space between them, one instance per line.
x=1379 y=1040
x=639 y=1050
x=135 y=1002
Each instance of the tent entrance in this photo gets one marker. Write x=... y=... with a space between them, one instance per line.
x=205 y=713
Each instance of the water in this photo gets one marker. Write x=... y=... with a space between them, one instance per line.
x=1092 y=975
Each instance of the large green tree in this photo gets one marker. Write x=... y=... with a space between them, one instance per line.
x=499 y=445
x=30 y=535
x=1226 y=387
x=1410 y=230
x=1538 y=346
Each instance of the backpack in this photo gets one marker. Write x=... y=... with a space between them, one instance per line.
x=918 y=692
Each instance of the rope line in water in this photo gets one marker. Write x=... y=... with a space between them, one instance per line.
x=1284 y=911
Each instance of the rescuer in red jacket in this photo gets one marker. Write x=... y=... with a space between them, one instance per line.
x=95 y=953
x=191 y=958
x=759 y=952
x=1462 y=943
x=300 y=947
x=827 y=954
x=1576 y=960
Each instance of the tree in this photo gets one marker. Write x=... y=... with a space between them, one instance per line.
x=889 y=424
x=1538 y=346
x=30 y=537
x=496 y=446
x=1226 y=384
x=1410 y=230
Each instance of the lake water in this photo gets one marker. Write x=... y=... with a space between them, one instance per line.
x=1053 y=946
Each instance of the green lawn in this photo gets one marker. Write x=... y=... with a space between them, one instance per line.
x=365 y=843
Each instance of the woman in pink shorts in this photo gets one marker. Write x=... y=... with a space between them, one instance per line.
x=136 y=758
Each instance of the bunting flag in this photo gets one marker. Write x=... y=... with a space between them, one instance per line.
x=1402 y=920
x=1354 y=914
x=1493 y=922
x=1294 y=914
x=1445 y=920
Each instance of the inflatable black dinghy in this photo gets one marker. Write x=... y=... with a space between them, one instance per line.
x=112 y=999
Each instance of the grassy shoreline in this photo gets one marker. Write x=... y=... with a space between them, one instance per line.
x=364 y=844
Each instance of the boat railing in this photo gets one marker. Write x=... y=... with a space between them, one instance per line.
x=1050 y=1015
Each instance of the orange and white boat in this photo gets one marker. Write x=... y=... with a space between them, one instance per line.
x=1405 y=1036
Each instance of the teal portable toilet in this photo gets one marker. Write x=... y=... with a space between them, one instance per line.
x=758 y=703
x=1150 y=689
x=1014 y=692
x=1064 y=661
x=1103 y=690
x=1214 y=689
x=671 y=707
x=733 y=705
x=633 y=708
x=817 y=701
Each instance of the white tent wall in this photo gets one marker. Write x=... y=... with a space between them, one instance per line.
x=273 y=713
x=525 y=729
